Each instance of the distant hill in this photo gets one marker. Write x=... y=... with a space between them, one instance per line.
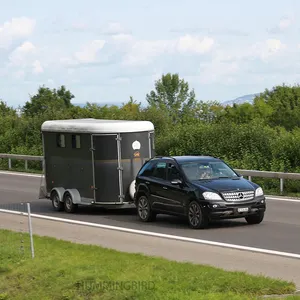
x=240 y=100
x=99 y=103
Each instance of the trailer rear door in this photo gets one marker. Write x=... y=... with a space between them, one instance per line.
x=107 y=174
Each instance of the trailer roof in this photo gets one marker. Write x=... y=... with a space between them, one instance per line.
x=96 y=126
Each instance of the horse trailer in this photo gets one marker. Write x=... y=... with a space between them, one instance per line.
x=93 y=162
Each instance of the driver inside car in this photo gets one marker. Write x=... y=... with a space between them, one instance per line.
x=205 y=172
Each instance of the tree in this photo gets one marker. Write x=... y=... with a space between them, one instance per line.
x=281 y=106
x=48 y=100
x=6 y=110
x=172 y=95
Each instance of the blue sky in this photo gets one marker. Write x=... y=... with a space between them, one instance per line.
x=107 y=51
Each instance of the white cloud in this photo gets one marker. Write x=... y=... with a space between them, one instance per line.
x=268 y=48
x=19 y=74
x=37 y=67
x=143 y=51
x=89 y=52
x=16 y=28
x=285 y=23
x=216 y=71
x=192 y=44
x=114 y=28
x=23 y=54
x=264 y=50
x=122 y=38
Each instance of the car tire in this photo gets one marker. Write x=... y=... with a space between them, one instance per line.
x=255 y=219
x=196 y=216
x=144 y=210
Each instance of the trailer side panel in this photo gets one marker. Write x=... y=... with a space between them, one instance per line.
x=68 y=162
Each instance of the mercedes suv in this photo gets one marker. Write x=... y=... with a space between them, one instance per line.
x=200 y=188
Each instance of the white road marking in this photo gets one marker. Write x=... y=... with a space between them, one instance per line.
x=20 y=174
x=160 y=235
x=283 y=199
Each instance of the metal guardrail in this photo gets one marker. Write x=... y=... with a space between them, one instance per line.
x=250 y=173
x=269 y=174
x=26 y=158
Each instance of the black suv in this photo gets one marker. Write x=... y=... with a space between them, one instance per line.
x=200 y=188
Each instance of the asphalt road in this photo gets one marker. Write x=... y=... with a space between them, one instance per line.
x=279 y=231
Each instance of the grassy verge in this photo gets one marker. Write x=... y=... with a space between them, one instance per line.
x=63 y=270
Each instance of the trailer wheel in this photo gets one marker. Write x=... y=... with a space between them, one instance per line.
x=69 y=206
x=57 y=205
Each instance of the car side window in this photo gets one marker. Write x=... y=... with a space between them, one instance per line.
x=173 y=173
x=147 y=169
x=160 y=170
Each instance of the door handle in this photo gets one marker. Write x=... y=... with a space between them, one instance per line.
x=147 y=182
x=165 y=188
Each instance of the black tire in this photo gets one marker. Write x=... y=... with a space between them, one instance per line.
x=144 y=210
x=57 y=205
x=255 y=219
x=69 y=206
x=196 y=217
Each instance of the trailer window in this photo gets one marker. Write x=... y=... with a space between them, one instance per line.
x=76 y=141
x=60 y=140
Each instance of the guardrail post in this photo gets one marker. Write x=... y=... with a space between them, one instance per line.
x=281 y=185
x=250 y=178
x=9 y=163
x=26 y=164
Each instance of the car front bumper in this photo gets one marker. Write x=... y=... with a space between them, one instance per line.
x=230 y=210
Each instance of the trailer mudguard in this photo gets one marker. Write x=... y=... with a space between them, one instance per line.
x=60 y=192
x=76 y=198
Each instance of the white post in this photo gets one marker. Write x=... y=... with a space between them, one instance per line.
x=30 y=230
x=281 y=185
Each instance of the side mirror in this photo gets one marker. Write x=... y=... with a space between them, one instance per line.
x=176 y=182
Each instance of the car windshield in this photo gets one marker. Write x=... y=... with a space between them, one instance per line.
x=199 y=170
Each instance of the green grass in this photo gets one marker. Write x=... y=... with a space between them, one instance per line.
x=60 y=268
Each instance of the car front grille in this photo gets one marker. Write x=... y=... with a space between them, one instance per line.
x=238 y=196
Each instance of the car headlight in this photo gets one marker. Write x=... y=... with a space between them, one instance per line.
x=211 y=196
x=259 y=192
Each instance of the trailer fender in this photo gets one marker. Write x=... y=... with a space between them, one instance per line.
x=76 y=198
x=60 y=192
x=132 y=189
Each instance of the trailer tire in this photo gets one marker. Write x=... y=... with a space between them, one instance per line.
x=69 y=206
x=56 y=203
